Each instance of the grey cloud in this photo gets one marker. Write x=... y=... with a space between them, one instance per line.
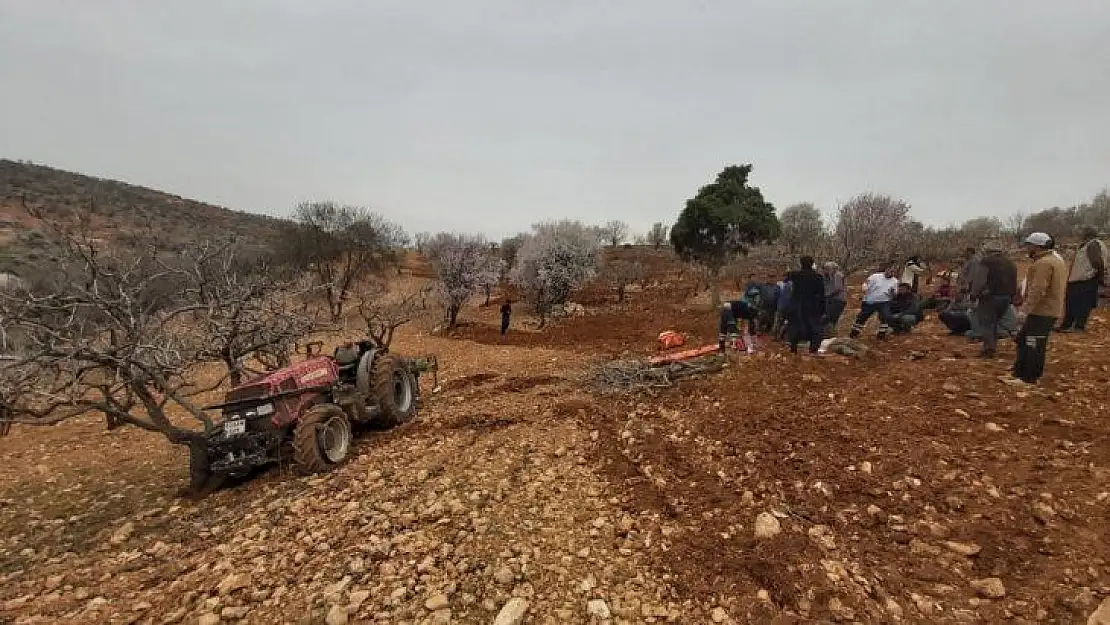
x=488 y=115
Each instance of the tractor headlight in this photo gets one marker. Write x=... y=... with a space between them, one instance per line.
x=264 y=409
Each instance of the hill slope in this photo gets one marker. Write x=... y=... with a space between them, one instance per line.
x=123 y=214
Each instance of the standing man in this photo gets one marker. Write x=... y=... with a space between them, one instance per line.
x=836 y=296
x=878 y=290
x=1088 y=273
x=1046 y=287
x=963 y=280
x=506 y=316
x=807 y=306
x=994 y=285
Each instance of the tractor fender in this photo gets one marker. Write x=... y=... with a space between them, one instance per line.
x=365 y=365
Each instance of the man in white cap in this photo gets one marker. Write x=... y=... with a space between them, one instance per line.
x=1046 y=288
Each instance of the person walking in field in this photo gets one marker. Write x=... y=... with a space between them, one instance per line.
x=506 y=317
x=878 y=291
x=807 y=306
x=994 y=286
x=1087 y=274
x=1047 y=283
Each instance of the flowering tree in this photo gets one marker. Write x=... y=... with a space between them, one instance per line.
x=870 y=228
x=553 y=259
x=462 y=264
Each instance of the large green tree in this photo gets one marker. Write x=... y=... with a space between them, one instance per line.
x=723 y=221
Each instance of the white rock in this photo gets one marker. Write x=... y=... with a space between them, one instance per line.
x=598 y=608
x=336 y=616
x=865 y=467
x=993 y=427
x=964 y=549
x=209 y=619
x=121 y=535
x=437 y=602
x=234 y=582
x=504 y=576
x=357 y=598
x=989 y=587
x=512 y=613
x=718 y=615
x=767 y=526
x=232 y=613
x=1101 y=616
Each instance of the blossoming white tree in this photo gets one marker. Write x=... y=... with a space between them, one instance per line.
x=554 y=259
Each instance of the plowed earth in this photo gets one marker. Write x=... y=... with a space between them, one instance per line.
x=899 y=482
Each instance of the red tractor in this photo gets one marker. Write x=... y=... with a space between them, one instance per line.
x=306 y=411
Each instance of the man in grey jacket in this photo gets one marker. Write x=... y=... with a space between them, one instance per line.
x=836 y=296
x=1086 y=275
x=993 y=287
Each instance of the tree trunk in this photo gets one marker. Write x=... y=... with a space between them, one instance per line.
x=715 y=288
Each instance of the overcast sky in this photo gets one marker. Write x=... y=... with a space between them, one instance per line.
x=490 y=114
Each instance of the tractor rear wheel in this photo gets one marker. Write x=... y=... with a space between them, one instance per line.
x=393 y=389
x=322 y=439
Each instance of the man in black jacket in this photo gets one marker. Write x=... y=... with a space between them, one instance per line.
x=993 y=286
x=807 y=306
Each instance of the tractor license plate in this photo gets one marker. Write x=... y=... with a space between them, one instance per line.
x=235 y=427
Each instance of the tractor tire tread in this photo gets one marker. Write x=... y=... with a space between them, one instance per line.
x=307 y=455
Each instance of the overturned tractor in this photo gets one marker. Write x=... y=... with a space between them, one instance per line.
x=306 y=412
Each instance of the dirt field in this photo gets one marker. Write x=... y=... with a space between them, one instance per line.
x=913 y=487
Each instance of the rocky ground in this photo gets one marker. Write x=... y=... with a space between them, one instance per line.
x=911 y=486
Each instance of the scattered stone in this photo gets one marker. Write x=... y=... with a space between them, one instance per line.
x=1043 y=512
x=437 y=602
x=504 y=576
x=598 y=608
x=1100 y=616
x=209 y=619
x=810 y=377
x=336 y=616
x=964 y=549
x=121 y=535
x=512 y=613
x=767 y=526
x=718 y=615
x=993 y=427
x=865 y=467
x=357 y=598
x=234 y=582
x=989 y=587
x=234 y=612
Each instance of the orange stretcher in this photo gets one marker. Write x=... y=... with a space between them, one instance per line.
x=685 y=354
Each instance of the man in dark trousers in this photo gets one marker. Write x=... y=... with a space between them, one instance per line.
x=506 y=316
x=807 y=306
x=1046 y=286
x=1087 y=274
x=993 y=286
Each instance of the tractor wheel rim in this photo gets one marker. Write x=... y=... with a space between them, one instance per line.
x=334 y=439
x=402 y=391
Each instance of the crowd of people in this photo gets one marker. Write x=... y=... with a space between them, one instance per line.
x=984 y=300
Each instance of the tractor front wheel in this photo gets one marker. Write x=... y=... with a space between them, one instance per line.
x=322 y=439
x=393 y=389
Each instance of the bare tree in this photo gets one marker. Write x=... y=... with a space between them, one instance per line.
x=114 y=335
x=657 y=235
x=249 y=313
x=980 y=228
x=462 y=263
x=615 y=232
x=802 y=228
x=621 y=273
x=341 y=246
x=1014 y=224
x=870 y=229
x=554 y=259
x=384 y=312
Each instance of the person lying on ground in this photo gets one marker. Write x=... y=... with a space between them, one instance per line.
x=905 y=310
x=878 y=290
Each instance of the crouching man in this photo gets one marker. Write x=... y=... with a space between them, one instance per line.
x=905 y=310
x=733 y=314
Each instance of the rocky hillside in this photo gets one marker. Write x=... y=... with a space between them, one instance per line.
x=123 y=214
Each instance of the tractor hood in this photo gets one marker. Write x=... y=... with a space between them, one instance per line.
x=308 y=375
